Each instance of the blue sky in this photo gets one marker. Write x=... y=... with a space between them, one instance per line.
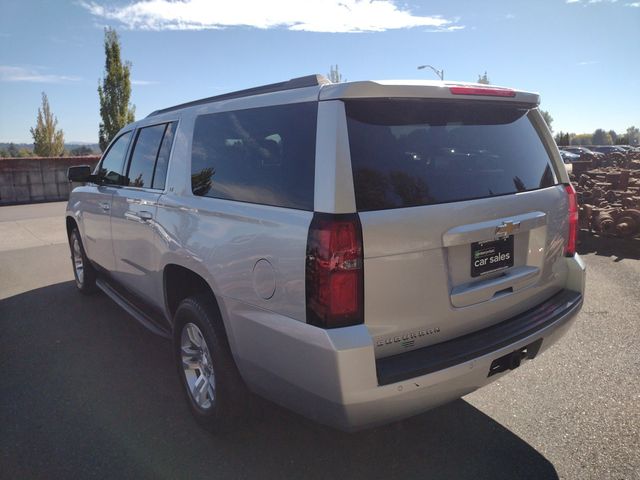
x=582 y=56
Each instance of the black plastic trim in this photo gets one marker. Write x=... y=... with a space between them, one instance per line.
x=149 y=317
x=557 y=309
x=300 y=82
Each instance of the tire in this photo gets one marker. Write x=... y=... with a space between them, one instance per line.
x=208 y=374
x=83 y=271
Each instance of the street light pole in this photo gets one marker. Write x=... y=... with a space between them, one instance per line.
x=439 y=73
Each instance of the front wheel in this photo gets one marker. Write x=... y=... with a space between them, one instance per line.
x=83 y=271
x=212 y=384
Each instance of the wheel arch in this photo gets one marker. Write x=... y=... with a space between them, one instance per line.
x=180 y=282
x=71 y=224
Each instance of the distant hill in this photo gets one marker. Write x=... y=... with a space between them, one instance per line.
x=73 y=148
x=93 y=146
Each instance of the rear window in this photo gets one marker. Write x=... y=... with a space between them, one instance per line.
x=407 y=153
x=262 y=155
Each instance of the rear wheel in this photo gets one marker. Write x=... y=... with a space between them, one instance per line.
x=83 y=271
x=211 y=382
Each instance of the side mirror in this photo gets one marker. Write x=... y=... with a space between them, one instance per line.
x=81 y=174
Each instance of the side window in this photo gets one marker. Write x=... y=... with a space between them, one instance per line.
x=160 y=173
x=113 y=162
x=143 y=158
x=262 y=155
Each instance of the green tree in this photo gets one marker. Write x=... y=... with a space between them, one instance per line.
x=581 y=139
x=47 y=141
x=334 y=75
x=12 y=149
x=600 y=137
x=614 y=136
x=547 y=118
x=115 y=91
x=562 y=139
x=633 y=136
x=622 y=139
x=25 y=152
x=484 y=79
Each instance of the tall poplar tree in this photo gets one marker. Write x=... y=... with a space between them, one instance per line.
x=115 y=91
x=335 y=76
x=47 y=141
x=484 y=79
x=547 y=118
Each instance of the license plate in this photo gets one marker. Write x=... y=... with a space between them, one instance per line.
x=488 y=257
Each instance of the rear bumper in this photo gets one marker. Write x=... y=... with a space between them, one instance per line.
x=332 y=376
x=554 y=312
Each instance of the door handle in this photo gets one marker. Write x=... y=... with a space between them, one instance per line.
x=140 y=217
x=105 y=206
x=144 y=215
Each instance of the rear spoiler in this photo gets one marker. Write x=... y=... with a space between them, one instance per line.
x=421 y=89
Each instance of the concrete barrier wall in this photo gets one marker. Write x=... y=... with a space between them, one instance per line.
x=38 y=179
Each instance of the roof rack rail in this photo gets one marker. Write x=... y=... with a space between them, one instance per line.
x=300 y=82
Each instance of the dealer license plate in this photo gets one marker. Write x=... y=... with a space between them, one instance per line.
x=493 y=256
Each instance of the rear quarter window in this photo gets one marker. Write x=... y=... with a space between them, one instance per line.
x=408 y=153
x=262 y=155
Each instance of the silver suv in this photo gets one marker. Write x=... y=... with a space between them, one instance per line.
x=357 y=252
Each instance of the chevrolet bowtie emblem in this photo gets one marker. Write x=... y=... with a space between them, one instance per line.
x=506 y=229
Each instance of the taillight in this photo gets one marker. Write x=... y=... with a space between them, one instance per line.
x=570 y=249
x=485 y=91
x=334 y=271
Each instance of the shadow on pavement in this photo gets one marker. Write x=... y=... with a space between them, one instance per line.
x=602 y=245
x=87 y=392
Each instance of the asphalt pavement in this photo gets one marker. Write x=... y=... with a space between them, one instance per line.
x=85 y=392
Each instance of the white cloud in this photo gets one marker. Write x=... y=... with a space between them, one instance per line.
x=336 y=16
x=633 y=4
x=590 y=2
x=452 y=28
x=9 y=73
x=143 y=83
x=586 y=62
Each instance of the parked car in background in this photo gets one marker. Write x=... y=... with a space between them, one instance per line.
x=582 y=151
x=358 y=252
x=627 y=148
x=606 y=149
x=568 y=157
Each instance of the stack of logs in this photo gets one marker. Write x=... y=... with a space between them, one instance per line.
x=609 y=194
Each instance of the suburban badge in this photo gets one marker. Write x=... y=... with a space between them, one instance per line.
x=408 y=339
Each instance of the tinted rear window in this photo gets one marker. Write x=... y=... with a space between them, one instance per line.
x=143 y=159
x=408 y=153
x=160 y=174
x=261 y=155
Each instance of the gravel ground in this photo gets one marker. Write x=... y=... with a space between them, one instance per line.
x=86 y=392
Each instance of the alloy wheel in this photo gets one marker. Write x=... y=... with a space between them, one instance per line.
x=197 y=366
